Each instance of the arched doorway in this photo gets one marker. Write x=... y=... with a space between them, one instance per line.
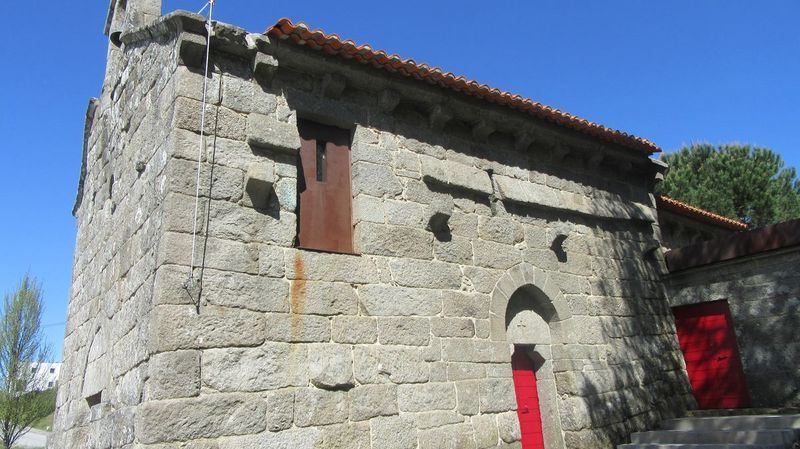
x=525 y=308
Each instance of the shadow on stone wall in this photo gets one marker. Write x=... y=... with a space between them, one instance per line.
x=763 y=294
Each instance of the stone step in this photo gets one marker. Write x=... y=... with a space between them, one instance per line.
x=699 y=446
x=743 y=411
x=763 y=437
x=749 y=422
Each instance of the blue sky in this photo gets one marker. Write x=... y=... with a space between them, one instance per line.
x=673 y=72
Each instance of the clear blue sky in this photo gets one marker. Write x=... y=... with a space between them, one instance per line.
x=673 y=72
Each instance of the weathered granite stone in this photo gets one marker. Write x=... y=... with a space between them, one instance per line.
x=315 y=407
x=426 y=397
x=267 y=367
x=173 y=375
x=385 y=300
x=404 y=331
x=268 y=132
x=330 y=366
x=208 y=416
x=280 y=410
x=183 y=327
x=354 y=330
x=369 y=401
x=394 y=432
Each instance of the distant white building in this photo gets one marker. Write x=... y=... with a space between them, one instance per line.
x=45 y=375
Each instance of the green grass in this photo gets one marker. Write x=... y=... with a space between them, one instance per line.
x=45 y=423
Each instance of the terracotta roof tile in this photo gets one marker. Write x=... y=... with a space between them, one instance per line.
x=671 y=204
x=332 y=44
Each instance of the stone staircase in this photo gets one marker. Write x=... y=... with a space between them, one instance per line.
x=721 y=432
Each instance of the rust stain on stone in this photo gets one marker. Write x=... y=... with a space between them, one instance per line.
x=297 y=296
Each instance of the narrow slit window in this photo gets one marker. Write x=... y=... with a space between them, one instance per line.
x=321 y=161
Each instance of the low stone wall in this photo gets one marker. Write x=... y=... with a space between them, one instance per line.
x=763 y=292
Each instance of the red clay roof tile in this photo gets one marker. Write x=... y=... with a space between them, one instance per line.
x=671 y=204
x=332 y=44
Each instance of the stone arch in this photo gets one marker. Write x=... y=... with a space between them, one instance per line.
x=527 y=311
x=545 y=293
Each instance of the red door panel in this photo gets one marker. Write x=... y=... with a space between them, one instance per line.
x=708 y=342
x=530 y=420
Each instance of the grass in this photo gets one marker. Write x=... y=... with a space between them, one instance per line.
x=45 y=423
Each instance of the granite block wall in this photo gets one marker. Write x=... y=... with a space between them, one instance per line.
x=406 y=343
x=120 y=217
x=763 y=293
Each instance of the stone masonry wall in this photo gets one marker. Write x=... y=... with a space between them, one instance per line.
x=763 y=292
x=403 y=344
x=120 y=217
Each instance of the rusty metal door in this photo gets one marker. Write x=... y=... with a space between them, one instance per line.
x=323 y=183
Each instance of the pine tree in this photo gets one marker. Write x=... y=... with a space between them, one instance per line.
x=743 y=182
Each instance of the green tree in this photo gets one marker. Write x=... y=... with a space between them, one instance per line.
x=21 y=346
x=743 y=182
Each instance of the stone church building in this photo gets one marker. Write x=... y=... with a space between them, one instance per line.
x=365 y=252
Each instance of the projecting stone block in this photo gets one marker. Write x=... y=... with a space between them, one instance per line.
x=438 y=213
x=191 y=49
x=266 y=131
x=259 y=179
x=538 y=195
x=525 y=192
x=264 y=67
x=454 y=174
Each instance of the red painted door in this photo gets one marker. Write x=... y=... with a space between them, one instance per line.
x=708 y=342
x=530 y=420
